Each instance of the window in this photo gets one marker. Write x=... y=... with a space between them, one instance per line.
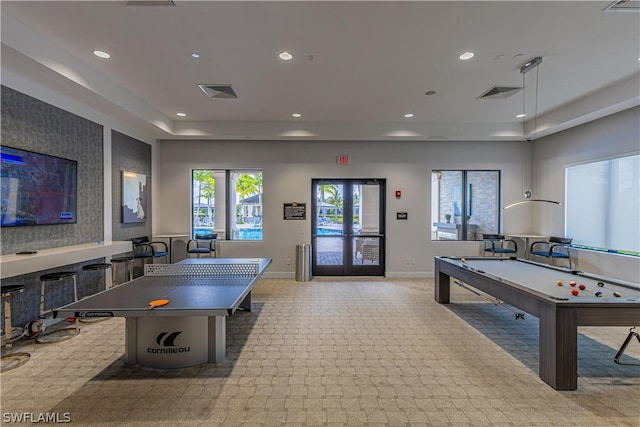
x=607 y=216
x=227 y=203
x=464 y=204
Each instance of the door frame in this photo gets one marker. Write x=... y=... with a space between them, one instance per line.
x=348 y=266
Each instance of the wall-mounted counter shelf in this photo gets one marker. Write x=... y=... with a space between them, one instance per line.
x=15 y=265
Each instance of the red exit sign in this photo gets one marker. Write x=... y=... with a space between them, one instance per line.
x=343 y=160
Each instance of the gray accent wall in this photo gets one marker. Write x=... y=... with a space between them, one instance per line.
x=33 y=125
x=132 y=155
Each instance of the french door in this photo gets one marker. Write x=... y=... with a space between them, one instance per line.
x=348 y=227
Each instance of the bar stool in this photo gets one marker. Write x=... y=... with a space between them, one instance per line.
x=126 y=260
x=11 y=360
x=96 y=267
x=61 y=334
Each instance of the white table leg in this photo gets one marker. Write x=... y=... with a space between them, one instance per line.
x=131 y=341
x=217 y=339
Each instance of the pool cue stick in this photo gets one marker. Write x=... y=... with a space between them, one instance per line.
x=494 y=301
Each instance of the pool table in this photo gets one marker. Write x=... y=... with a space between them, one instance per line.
x=533 y=288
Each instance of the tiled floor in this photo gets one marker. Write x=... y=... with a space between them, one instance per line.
x=356 y=352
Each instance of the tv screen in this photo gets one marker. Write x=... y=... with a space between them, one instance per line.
x=37 y=189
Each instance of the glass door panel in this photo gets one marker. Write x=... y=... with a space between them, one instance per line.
x=329 y=225
x=348 y=219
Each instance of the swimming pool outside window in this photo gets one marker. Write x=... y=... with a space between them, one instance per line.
x=227 y=204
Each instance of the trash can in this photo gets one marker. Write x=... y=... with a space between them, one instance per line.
x=303 y=262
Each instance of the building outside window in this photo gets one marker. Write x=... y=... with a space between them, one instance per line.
x=464 y=204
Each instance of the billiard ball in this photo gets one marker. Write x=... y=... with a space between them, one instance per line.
x=574 y=292
x=572 y=283
x=559 y=282
x=600 y=284
x=463 y=260
x=582 y=287
x=598 y=294
x=617 y=294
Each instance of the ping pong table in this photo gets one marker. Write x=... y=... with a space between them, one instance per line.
x=191 y=328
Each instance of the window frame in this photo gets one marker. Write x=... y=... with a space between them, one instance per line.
x=607 y=205
x=466 y=198
x=227 y=205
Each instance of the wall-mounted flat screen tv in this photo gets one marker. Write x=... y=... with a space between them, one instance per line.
x=37 y=189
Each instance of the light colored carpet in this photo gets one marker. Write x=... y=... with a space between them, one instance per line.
x=337 y=352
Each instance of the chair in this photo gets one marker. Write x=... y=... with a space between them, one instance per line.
x=359 y=244
x=497 y=244
x=143 y=249
x=554 y=248
x=371 y=251
x=201 y=247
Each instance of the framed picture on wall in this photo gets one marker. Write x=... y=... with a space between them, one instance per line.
x=134 y=197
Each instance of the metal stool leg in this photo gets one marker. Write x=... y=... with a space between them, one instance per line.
x=11 y=360
x=114 y=275
x=61 y=334
x=116 y=261
x=99 y=267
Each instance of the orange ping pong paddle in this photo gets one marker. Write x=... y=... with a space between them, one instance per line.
x=157 y=303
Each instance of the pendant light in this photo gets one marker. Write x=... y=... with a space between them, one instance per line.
x=527 y=193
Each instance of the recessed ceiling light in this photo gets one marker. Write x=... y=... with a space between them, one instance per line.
x=195 y=55
x=467 y=55
x=408 y=115
x=285 y=56
x=519 y=116
x=101 y=54
x=181 y=114
x=296 y=115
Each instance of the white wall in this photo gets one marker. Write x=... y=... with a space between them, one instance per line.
x=608 y=137
x=289 y=166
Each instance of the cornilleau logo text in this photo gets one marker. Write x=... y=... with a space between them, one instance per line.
x=94 y=314
x=167 y=341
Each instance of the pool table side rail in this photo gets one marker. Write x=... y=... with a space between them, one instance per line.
x=505 y=291
x=527 y=299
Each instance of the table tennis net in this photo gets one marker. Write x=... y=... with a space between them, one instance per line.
x=203 y=270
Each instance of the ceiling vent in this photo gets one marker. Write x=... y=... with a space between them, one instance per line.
x=149 y=3
x=623 y=6
x=219 y=91
x=500 y=92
